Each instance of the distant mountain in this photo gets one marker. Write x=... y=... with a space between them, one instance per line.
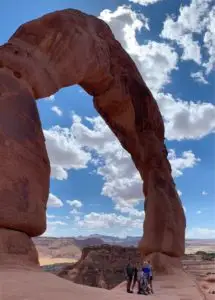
x=61 y=247
x=71 y=247
x=114 y=240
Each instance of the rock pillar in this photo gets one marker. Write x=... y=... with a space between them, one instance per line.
x=24 y=167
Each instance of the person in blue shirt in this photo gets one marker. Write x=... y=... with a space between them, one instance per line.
x=148 y=270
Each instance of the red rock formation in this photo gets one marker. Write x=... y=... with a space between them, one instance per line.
x=58 y=50
x=101 y=266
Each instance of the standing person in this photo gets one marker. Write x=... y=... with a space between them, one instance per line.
x=146 y=272
x=129 y=270
x=135 y=271
x=150 y=276
x=139 y=278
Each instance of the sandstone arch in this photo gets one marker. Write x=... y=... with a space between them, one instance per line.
x=58 y=50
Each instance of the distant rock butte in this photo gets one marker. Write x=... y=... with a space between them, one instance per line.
x=55 y=51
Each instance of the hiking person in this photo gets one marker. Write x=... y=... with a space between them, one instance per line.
x=129 y=270
x=142 y=282
x=146 y=271
x=135 y=271
x=150 y=276
x=139 y=278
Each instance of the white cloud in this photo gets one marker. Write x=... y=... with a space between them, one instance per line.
x=58 y=172
x=196 y=18
x=199 y=212
x=122 y=182
x=111 y=221
x=50 y=98
x=145 y=2
x=201 y=233
x=199 y=77
x=186 y=120
x=192 y=50
x=56 y=223
x=209 y=40
x=179 y=164
x=179 y=193
x=154 y=60
x=50 y=216
x=64 y=152
x=75 y=203
x=204 y=193
x=54 y=201
x=57 y=110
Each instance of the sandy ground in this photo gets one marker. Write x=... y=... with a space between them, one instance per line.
x=19 y=284
x=50 y=261
x=194 y=248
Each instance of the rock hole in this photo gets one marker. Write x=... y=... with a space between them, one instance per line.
x=17 y=74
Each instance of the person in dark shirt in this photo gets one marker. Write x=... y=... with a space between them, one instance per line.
x=129 y=270
x=135 y=271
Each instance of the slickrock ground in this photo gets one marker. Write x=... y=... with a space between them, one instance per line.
x=23 y=284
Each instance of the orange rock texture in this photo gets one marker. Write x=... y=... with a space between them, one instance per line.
x=62 y=49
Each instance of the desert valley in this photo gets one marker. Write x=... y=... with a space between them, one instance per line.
x=89 y=260
x=68 y=249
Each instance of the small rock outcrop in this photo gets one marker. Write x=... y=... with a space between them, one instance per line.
x=101 y=266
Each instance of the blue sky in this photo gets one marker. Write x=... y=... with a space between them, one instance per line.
x=94 y=185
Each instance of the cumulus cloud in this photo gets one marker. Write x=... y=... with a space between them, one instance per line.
x=145 y=2
x=186 y=119
x=75 y=203
x=125 y=24
x=204 y=193
x=57 y=110
x=199 y=77
x=193 y=20
x=209 y=40
x=122 y=182
x=109 y=221
x=179 y=164
x=54 y=201
x=64 y=152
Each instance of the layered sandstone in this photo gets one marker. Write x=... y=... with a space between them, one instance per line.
x=58 y=50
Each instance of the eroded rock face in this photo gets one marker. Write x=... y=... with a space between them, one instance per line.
x=101 y=266
x=17 y=250
x=58 y=50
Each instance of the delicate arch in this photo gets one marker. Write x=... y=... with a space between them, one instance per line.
x=65 y=48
